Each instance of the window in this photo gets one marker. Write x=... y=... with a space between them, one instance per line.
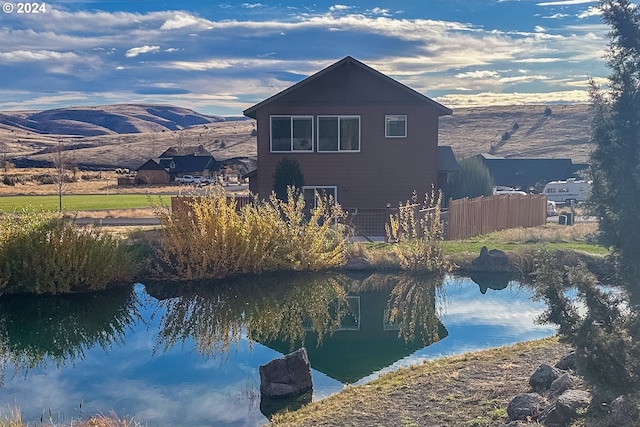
x=310 y=193
x=338 y=133
x=291 y=133
x=395 y=126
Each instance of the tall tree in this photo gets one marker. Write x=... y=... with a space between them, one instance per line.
x=473 y=179
x=615 y=162
x=287 y=174
x=604 y=326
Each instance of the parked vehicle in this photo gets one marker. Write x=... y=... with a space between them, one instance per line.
x=501 y=189
x=191 y=179
x=568 y=191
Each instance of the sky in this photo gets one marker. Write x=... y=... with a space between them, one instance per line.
x=221 y=57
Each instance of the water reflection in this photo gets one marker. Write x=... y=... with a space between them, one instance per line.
x=188 y=354
x=351 y=326
x=37 y=330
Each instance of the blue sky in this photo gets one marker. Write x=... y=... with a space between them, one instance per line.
x=220 y=57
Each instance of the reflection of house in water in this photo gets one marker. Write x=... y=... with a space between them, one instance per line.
x=366 y=341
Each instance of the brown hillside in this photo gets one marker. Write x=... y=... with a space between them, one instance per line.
x=470 y=131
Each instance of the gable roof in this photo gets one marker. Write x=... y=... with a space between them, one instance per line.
x=446 y=160
x=195 y=150
x=441 y=109
x=150 y=165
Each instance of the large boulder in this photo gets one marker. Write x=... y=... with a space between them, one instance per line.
x=491 y=260
x=526 y=407
x=562 y=384
x=565 y=408
x=624 y=412
x=543 y=377
x=286 y=376
x=568 y=362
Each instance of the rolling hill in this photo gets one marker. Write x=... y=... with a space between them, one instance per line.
x=128 y=135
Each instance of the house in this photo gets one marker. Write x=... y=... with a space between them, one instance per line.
x=356 y=133
x=151 y=173
x=530 y=174
x=201 y=165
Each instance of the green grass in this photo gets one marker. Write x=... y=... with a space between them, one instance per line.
x=456 y=247
x=81 y=202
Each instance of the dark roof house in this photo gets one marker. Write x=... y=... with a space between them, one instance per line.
x=190 y=165
x=197 y=150
x=529 y=173
x=356 y=133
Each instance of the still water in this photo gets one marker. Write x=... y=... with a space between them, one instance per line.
x=188 y=353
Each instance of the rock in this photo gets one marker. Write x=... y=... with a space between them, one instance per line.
x=568 y=362
x=517 y=423
x=624 y=412
x=491 y=260
x=358 y=263
x=563 y=383
x=286 y=376
x=526 y=407
x=565 y=408
x=542 y=377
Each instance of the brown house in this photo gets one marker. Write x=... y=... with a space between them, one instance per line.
x=151 y=173
x=355 y=132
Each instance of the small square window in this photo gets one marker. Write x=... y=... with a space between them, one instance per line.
x=395 y=126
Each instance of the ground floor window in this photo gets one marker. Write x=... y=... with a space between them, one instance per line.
x=310 y=194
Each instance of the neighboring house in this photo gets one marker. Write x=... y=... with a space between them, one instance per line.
x=201 y=165
x=356 y=133
x=528 y=174
x=151 y=173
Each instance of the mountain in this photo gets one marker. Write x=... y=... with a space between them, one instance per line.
x=106 y=120
x=128 y=135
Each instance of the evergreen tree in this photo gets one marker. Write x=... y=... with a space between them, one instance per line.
x=473 y=179
x=287 y=174
x=615 y=162
x=604 y=326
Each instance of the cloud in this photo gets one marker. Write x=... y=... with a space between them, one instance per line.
x=591 y=11
x=252 y=5
x=37 y=55
x=566 y=2
x=133 y=52
x=339 y=8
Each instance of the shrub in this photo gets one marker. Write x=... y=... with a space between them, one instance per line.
x=505 y=136
x=417 y=232
x=42 y=253
x=547 y=111
x=213 y=238
x=473 y=179
x=287 y=174
x=595 y=323
x=9 y=180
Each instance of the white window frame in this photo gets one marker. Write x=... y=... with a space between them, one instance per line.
x=339 y=117
x=291 y=120
x=394 y=117
x=316 y=187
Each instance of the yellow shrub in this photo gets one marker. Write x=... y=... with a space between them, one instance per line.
x=215 y=239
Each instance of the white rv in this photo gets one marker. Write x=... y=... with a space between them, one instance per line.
x=567 y=191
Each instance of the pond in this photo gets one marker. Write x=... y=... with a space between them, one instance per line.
x=188 y=353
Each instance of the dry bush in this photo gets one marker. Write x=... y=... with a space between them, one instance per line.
x=43 y=253
x=417 y=233
x=214 y=238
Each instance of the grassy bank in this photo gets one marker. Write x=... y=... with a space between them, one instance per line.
x=469 y=390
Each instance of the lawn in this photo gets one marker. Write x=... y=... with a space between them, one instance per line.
x=82 y=202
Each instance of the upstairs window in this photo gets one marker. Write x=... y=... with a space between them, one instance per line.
x=338 y=133
x=395 y=126
x=291 y=133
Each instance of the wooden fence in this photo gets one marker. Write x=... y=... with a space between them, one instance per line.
x=482 y=215
x=464 y=218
